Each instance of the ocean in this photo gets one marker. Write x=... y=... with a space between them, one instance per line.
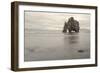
x=45 y=45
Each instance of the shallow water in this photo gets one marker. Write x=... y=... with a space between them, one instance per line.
x=55 y=45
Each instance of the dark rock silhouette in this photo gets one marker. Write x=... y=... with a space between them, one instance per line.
x=71 y=25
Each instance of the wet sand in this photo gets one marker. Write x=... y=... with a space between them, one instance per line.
x=55 y=45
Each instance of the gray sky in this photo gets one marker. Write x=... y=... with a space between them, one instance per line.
x=53 y=21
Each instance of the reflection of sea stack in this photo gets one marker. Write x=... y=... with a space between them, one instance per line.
x=71 y=25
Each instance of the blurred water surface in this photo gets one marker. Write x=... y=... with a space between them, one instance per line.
x=54 y=45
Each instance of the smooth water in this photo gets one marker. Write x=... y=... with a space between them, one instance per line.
x=54 y=45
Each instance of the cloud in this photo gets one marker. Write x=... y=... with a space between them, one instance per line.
x=53 y=21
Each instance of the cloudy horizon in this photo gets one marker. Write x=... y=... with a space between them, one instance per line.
x=53 y=21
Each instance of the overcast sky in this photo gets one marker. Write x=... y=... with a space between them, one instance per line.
x=53 y=21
